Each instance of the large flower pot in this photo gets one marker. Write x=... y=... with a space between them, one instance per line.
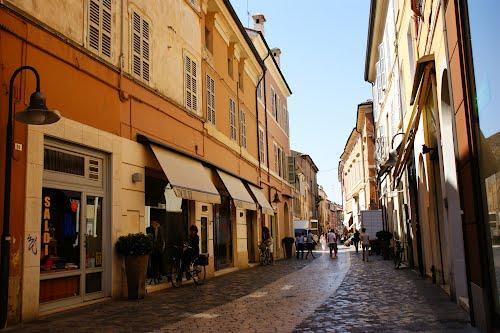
x=136 y=269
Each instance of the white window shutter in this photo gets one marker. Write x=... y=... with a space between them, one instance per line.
x=210 y=100
x=94 y=24
x=99 y=27
x=140 y=47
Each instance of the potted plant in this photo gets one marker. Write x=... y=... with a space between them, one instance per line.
x=288 y=242
x=384 y=237
x=136 y=249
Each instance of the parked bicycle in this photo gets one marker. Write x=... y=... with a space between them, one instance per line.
x=183 y=264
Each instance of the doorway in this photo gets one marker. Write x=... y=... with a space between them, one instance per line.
x=223 y=245
x=75 y=246
x=251 y=235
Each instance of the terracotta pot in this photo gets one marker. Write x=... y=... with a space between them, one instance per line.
x=136 y=269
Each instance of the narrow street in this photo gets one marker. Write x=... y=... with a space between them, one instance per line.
x=344 y=295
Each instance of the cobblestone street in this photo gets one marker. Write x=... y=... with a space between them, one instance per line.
x=344 y=295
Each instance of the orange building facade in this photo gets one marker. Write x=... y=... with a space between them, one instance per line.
x=161 y=118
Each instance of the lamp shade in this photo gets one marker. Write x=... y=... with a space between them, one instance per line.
x=37 y=112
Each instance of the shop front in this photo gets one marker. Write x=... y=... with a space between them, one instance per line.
x=75 y=226
x=236 y=202
x=176 y=197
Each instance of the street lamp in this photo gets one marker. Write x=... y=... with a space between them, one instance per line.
x=36 y=113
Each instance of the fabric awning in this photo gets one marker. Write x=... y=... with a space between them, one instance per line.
x=348 y=218
x=419 y=95
x=261 y=200
x=237 y=191
x=189 y=179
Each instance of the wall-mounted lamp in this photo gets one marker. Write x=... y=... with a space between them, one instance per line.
x=136 y=177
x=429 y=150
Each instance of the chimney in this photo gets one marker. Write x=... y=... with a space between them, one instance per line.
x=276 y=54
x=258 y=22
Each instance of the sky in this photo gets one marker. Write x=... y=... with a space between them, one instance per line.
x=323 y=44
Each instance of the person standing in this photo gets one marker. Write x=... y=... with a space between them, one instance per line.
x=355 y=240
x=299 y=245
x=365 y=243
x=309 y=244
x=332 y=242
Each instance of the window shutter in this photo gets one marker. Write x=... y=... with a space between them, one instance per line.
x=243 y=129
x=291 y=169
x=191 y=77
x=106 y=28
x=94 y=24
x=232 y=120
x=382 y=65
x=261 y=145
x=99 y=27
x=140 y=47
x=145 y=51
x=210 y=100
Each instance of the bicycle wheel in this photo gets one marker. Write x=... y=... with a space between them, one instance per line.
x=195 y=274
x=176 y=275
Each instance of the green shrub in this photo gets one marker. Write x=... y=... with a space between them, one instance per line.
x=134 y=245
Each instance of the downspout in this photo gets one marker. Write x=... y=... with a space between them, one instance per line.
x=121 y=59
x=257 y=112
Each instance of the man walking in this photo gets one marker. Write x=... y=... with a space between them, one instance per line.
x=365 y=243
x=355 y=240
x=309 y=244
x=299 y=245
x=332 y=242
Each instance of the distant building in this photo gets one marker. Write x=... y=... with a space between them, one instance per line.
x=306 y=199
x=357 y=168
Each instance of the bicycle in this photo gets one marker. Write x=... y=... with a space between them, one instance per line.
x=195 y=270
x=398 y=254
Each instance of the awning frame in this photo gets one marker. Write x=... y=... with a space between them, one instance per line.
x=237 y=194
x=422 y=84
x=263 y=203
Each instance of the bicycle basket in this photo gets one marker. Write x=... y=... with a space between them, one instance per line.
x=202 y=259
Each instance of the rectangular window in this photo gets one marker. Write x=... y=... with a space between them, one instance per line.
x=191 y=83
x=286 y=120
x=276 y=157
x=243 y=129
x=381 y=59
x=261 y=146
x=274 y=104
x=232 y=120
x=210 y=100
x=140 y=47
x=280 y=161
x=241 y=75
x=99 y=27
x=259 y=91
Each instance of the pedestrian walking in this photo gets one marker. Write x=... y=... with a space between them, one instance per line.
x=355 y=240
x=322 y=241
x=332 y=243
x=299 y=245
x=365 y=243
x=310 y=244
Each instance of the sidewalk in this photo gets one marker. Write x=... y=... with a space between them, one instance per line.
x=375 y=297
x=167 y=307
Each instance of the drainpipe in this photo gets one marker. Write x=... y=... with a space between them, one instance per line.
x=257 y=112
x=121 y=59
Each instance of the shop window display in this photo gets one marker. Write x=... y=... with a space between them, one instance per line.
x=60 y=230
